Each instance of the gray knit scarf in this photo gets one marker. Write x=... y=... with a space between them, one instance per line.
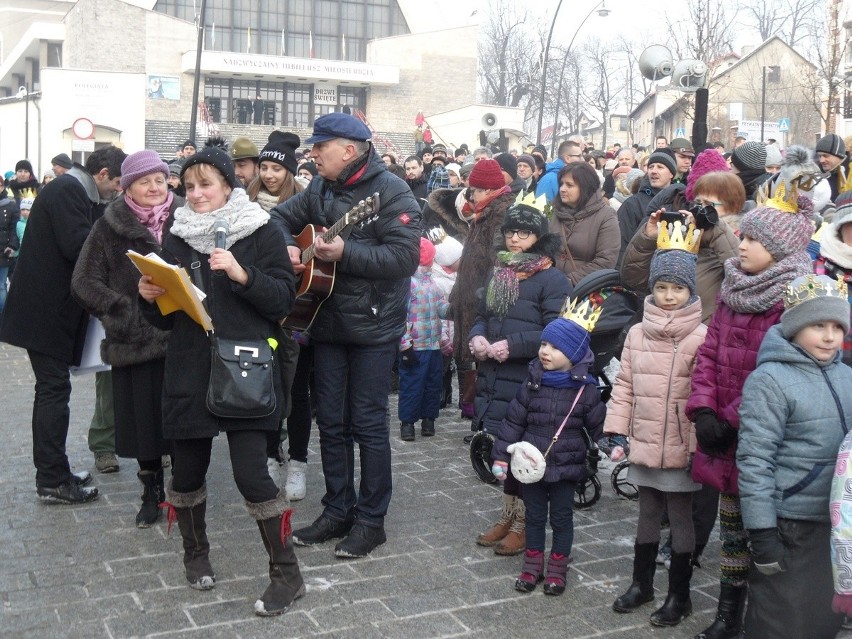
x=244 y=217
x=746 y=293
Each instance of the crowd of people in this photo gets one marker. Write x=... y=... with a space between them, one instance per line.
x=733 y=387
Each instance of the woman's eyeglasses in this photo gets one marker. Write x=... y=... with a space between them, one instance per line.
x=522 y=234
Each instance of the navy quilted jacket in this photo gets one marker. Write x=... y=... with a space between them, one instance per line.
x=535 y=415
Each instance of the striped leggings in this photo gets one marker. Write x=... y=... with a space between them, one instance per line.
x=735 y=555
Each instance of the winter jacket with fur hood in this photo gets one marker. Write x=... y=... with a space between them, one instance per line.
x=591 y=235
x=650 y=393
x=537 y=411
x=540 y=297
x=440 y=210
x=478 y=257
x=793 y=418
x=717 y=245
x=105 y=283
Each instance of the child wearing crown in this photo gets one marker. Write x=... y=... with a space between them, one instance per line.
x=648 y=402
x=558 y=399
x=772 y=253
x=796 y=409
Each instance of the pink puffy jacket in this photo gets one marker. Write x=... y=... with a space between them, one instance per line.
x=728 y=356
x=650 y=392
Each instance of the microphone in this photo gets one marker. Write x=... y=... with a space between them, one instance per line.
x=220 y=231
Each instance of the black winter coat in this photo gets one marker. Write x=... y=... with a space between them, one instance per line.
x=631 y=212
x=105 y=283
x=535 y=415
x=40 y=314
x=238 y=312
x=9 y=216
x=540 y=297
x=369 y=302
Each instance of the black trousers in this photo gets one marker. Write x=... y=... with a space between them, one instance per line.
x=248 y=461
x=50 y=419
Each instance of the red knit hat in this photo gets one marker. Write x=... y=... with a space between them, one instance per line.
x=486 y=174
x=427 y=252
x=708 y=161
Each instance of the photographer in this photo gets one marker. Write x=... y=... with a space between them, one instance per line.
x=718 y=242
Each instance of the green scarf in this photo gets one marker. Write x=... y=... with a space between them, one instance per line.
x=505 y=284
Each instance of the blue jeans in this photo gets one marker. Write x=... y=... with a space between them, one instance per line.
x=4 y=273
x=559 y=496
x=352 y=385
x=420 y=387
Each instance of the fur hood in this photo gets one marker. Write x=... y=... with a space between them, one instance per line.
x=440 y=210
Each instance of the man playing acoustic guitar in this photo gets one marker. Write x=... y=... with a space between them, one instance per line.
x=357 y=329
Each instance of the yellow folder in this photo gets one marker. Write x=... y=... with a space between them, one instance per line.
x=180 y=295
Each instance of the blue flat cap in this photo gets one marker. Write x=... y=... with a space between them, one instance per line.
x=338 y=125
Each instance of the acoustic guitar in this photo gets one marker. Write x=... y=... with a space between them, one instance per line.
x=317 y=279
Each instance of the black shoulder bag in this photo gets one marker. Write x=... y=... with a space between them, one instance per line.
x=242 y=371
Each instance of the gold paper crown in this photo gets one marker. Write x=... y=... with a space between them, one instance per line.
x=436 y=235
x=679 y=237
x=539 y=203
x=811 y=287
x=585 y=313
x=780 y=200
x=28 y=193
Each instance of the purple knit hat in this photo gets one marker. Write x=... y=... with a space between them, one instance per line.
x=708 y=161
x=782 y=234
x=140 y=164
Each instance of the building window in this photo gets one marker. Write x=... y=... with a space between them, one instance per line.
x=291 y=21
x=298 y=106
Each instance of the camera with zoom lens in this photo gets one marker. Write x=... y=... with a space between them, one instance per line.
x=705 y=215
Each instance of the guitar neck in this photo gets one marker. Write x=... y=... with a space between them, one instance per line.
x=333 y=231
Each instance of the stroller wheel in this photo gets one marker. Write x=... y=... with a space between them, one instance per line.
x=480 y=456
x=587 y=493
x=620 y=484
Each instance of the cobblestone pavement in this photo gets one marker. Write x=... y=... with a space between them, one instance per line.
x=86 y=571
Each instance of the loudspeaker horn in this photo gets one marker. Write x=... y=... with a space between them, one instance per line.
x=689 y=75
x=489 y=120
x=656 y=62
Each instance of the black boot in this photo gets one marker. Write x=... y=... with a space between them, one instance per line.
x=406 y=432
x=641 y=591
x=153 y=494
x=729 y=614
x=190 y=509
x=285 y=579
x=678 y=605
x=427 y=427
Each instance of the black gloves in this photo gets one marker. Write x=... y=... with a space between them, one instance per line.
x=408 y=358
x=714 y=435
x=767 y=550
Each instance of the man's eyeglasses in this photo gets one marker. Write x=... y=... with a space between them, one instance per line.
x=522 y=234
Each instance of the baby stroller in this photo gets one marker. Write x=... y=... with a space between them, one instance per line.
x=620 y=306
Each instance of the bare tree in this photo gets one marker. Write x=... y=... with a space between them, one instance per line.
x=826 y=84
x=789 y=19
x=768 y=16
x=706 y=33
x=508 y=56
x=603 y=80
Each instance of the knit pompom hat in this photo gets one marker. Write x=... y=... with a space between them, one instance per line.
x=569 y=337
x=708 y=161
x=520 y=217
x=782 y=234
x=486 y=174
x=281 y=149
x=750 y=156
x=139 y=164
x=217 y=158
x=676 y=267
x=427 y=252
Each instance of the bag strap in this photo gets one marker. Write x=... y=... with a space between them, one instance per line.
x=565 y=421
x=195 y=273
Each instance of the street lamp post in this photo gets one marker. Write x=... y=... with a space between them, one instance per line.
x=603 y=12
x=197 y=75
x=545 y=57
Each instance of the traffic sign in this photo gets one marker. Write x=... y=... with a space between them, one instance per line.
x=680 y=133
x=784 y=125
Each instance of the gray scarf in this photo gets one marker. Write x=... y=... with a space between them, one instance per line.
x=746 y=293
x=244 y=217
